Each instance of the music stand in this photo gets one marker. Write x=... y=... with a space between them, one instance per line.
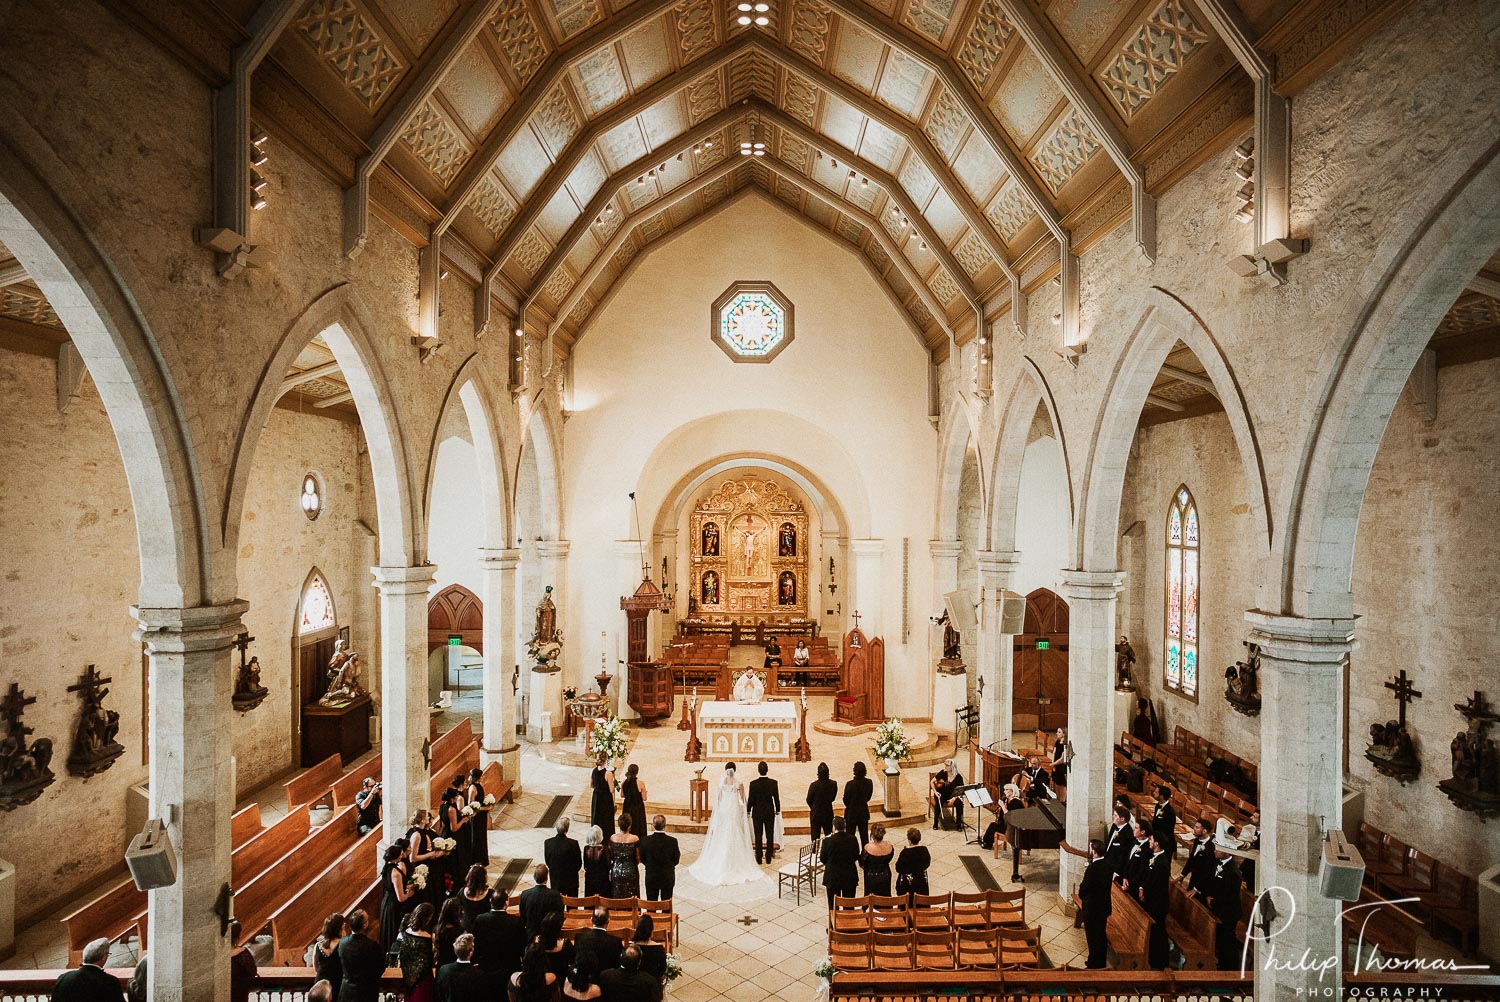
x=977 y=795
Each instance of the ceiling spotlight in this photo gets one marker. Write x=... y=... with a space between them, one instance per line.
x=923 y=245
x=257 y=182
x=609 y=210
x=696 y=150
x=443 y=275
x=679 y=158
x=983 y=339
x=641 y=180
x=760 y=153
x=983 y=360
x=519 y=359
x=1246 y=170
x=258 y=156
x=258 y=202
x=259 y=139
x=708 y=144
x=1056 y=318
x=864 y=182
x=599 y=220
x=520 y=332
x=835 y=164
x=651 y=172
x=763 y=21
x=743 y=19
x=1245 y=150
x=744 y=8
x=1245 y=213
x=851 y=175
x=760 y=146
x=761 y=8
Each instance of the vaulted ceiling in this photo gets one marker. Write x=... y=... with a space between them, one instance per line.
x=547 y=142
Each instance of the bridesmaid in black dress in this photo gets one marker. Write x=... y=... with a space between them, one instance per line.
x=624 y=862
x=479 y=824
x=475 y=897
x=465 y=850
x=421 y=852
x=633 y=800
x=602 y=805
x=454 y=825
x=399 y=895
x=595 y=864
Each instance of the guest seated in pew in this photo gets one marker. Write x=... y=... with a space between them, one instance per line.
x=325 y=951
x=558 y=950
x=564 y=859
x=1009 y=801
x=539 y=900
x=628 y=983
x=465 y=981
x=604 y=945
x=801 y=658
x=875 y=860
x=367 y=805
x=912 y=865
x=89 y=982
x=450 y=925
x=474 y=898
x=499 y=937
x=417 y=955
x=533 y=982
x=582 y=982
x=653 y=954
x=362 y=961
x=135 y=988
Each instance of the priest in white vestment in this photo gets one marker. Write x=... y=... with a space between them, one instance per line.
x=749 y=688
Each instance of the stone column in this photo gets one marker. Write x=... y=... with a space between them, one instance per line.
x=403 y=710
x=997 y=569
x=867 y=593
x=500 y=583
x=1301 y=792
x=192 y=789
x=1092 y=598
x=945 y=700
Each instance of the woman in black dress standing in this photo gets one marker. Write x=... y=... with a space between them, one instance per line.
x=479 y=824
x=421 y=852
x=633 y=797
x=326 y=964
x=475 y=897
x=875 y=859
x=857 y=794
x=912 y=865
x=625 y=862
x=399 y=895
x=602 y=805
x=595 y=864
x=450 y=926
x=455 y=826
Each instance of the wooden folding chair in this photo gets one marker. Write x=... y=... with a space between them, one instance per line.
x=935 y=951
x=1006 y=907
x=802 y=870
x=578 y=913
x=623 y=913
x=894 y=951
x=850 y=951
x=977 y=948
x=888 y=913
x=970 y=910
x=931 y=912
x=663 y=921
x=1020 y=947
x=849 y=914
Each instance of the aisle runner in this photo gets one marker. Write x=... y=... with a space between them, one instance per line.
x=511 y=875
x=553 y=812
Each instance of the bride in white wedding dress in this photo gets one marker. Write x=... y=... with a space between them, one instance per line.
x=728 y=855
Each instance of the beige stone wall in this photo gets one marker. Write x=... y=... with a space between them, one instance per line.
x=1426 y=574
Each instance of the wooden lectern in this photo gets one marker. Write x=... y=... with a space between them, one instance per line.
x=862 y=698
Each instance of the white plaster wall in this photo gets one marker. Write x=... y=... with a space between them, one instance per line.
x=1426 y=577
x=1041 y=517
x=970 y=534
x=854 y=375
x=455 y=528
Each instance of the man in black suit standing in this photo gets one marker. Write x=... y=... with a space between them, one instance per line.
x=605 y=945
x=1093 y=892
x=840 y=857
x=1156 y=897
x=660 y=855
x=464 y=981
x=857 y=794
x=1198 y=868
x=362 y=960
x=90 y=982
x=1224 y=902
x=499 y=938
x=1164 y=819
x=763 y=801
x=564 y=859
x=1119 y=843
x=537 y=901
x=628 y=983
x=820 y=797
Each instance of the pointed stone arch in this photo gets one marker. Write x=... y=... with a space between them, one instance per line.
x=1028 y=392
x=959 y=432
x=348 y=328
x=541 y=434
x=470 y=391
x=1165 y=321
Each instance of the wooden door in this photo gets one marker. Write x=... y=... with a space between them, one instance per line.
x=1040 y=665
x=313 y=657
x=455 y=612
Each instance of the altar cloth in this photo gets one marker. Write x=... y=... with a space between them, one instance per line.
x=753 y=731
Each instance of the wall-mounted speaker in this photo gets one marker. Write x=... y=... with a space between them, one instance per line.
x=151 y=859
x=1342 y=869
x=1012 y=613
x=960 y=606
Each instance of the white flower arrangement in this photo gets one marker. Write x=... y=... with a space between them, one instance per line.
x=489 y=800
x=674 y=967
x=419 y=877
x=467 y=811
x=445 y=844
x=825 y=969
x=609 y=739
x=891 y=740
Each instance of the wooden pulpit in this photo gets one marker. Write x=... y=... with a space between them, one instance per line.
x=861 y=699
x=649 y=690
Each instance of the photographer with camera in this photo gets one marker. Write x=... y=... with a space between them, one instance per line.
x=367 y=802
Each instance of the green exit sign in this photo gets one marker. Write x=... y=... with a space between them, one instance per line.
x=1044 y=645
x=455 y=641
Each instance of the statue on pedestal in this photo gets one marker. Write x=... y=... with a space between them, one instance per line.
x=545 y=645
x=1242 y=683
x=1124 y=658
x=343 y=677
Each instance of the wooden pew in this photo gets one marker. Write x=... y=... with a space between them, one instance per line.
x=1385 y=927
x=450 y=744
x=312 y=785
x=261 y=895
x=251 y=859
x=120 y=909
x=340 y=887
x=1192 y=927
x=1129 y=930
x=346 y=786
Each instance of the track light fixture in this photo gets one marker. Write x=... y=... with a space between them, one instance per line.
x=1245 y=150
x=1246 y=170
x=1245 y=212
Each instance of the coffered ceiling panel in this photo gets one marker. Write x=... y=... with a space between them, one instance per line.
x=645 y=54
x=858 y=57
x=978 y=168
x=523 y=162
x=1085 y=24
x=1026 y=98
x=476 y=90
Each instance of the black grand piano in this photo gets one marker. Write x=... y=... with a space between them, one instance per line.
x=1039 y=827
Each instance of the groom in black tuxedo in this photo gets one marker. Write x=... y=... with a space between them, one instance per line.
x=763 y=800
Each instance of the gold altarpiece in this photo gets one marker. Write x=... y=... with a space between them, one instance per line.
x=749 y=546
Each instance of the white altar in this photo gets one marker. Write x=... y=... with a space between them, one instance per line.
x=747 y=730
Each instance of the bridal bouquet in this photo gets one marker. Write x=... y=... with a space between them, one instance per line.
x=445 y=844
x=419 y=877
x=467 y=811
x=609 y=739
x=891 y=741
x=489 y=800
x=674 y=967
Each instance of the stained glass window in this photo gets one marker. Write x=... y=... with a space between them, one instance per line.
x=1181 y=666
x=752 y=322
x=317 y=606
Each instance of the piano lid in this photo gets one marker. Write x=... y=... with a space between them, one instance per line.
x=1046 y=816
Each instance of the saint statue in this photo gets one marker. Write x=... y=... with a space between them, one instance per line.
x=546 y=619
x=1124 y=658
x=788 y=589
x=711 y=588
x=749 y=688
x=788 y=543
x=710 y=545
x=343 y=676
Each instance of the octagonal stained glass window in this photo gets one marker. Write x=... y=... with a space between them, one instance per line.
x=752 y=322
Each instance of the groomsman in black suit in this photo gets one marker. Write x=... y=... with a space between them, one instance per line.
x=857 y=794
x=840 y=857
x=1093 y=892
x=1119 y=843
x=660 y=855
x=1224 y=902
x=1198 y=868
x=820 y=797
x=1156 y=897
x=763 y=801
